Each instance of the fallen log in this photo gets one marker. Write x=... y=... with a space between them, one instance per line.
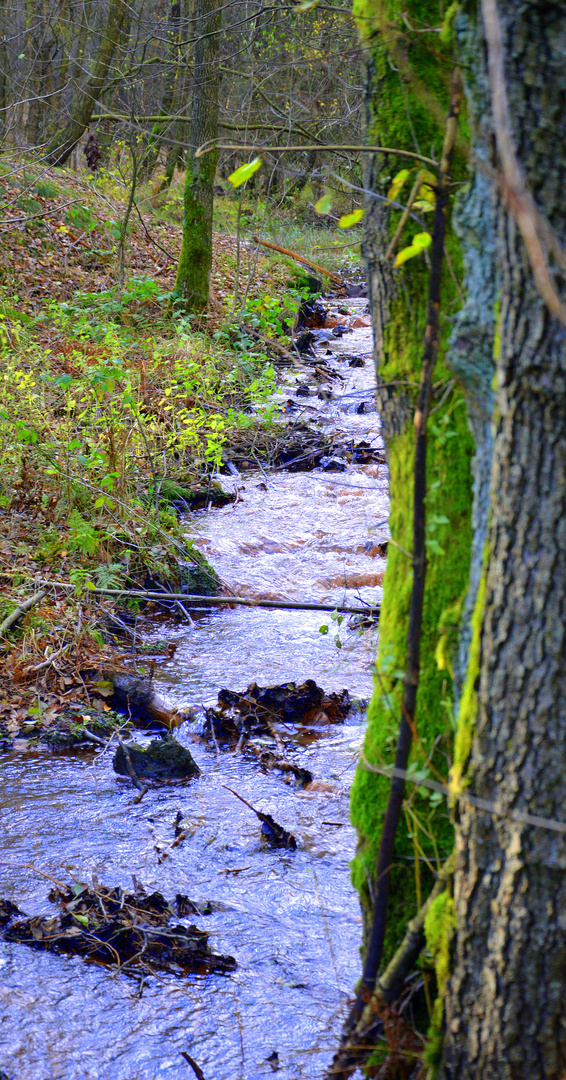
x=135 y=696
x=300 y=258
x=220 y=601
x=21 y=610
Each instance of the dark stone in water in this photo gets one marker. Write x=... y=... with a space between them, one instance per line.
x=339 y=331
x=304 y=342
x=164 y=759
x=332 y=464
x=356 y=289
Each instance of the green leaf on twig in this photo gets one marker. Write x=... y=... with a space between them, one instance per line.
x=244 y=173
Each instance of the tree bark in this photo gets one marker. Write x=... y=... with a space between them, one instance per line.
x=505 y=1016
x=395 y=117
x=195 y=260
x=115 y=31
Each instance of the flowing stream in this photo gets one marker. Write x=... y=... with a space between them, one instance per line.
x=290 y=919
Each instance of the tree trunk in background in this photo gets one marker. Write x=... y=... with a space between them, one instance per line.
x=170 y=98
x=4 y=76
x=195 y=261
x=505 y=1013
x=115 y=32
x=40 y=45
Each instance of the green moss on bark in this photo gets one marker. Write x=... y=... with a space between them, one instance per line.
x=440 y=924
x=399 y=115
x=449 y=497
x=469 y=701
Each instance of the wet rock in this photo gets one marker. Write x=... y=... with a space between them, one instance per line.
x=332 y=464
x=366 y=407
x=356 y=289
x=163 y=760
x=304 y=342
x=339 y=331
x=312 y=315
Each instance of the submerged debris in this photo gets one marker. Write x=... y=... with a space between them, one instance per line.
x=270 y=760
x=134 y=932
x=241 y=716
x=289 y=703
x=273 y=833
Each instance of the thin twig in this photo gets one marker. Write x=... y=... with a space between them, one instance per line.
x=131 y=771
x=207 y=148
x=50 y=659
x=196 y=1068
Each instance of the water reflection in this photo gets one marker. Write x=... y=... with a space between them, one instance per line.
x=290 y=918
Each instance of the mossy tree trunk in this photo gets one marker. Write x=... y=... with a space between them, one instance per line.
x=397 y=115
x=115 y=32
x=505 y=1015
x=195 y=261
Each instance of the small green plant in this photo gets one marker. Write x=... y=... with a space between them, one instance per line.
x=337 y=619
x=83 y=536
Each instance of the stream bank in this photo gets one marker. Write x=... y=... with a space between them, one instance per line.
x=289 y=917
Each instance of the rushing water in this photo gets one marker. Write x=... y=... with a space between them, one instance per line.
x=289 y=918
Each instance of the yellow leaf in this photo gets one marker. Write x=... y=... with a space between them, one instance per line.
x=347 y=220
x=420 y=242
x=105 y=688
x=398 y=182
x=324 y=205
x=429 y=178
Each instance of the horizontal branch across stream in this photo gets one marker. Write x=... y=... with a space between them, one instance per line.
x=221 y=601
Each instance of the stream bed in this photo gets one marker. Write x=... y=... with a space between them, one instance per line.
x=289 y=918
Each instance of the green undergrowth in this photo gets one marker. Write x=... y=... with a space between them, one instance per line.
x=111 y=396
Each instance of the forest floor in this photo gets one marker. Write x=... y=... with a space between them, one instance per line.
x=115 y=407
